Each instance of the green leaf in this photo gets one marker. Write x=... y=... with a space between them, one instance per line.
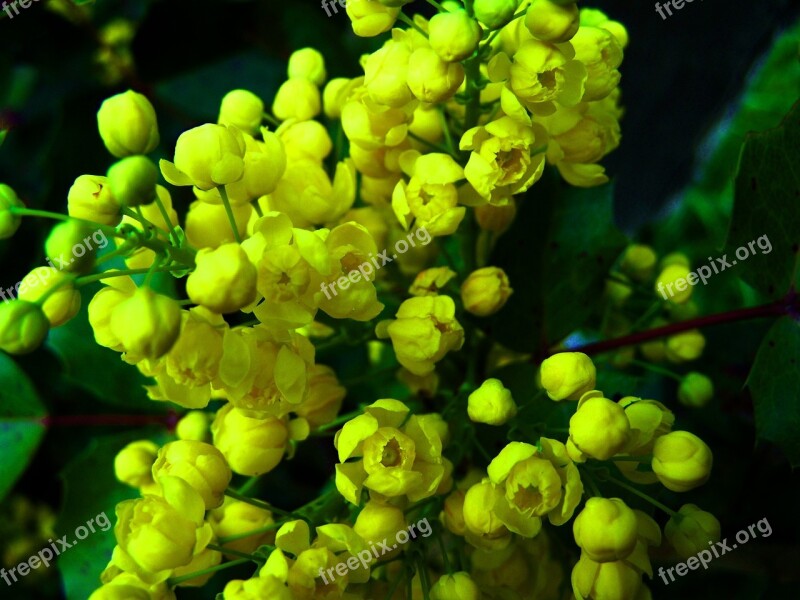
x=99 y=370
x=774 y=381
x=767 y=208
x=91 y=490
x=556 y=255
x=21 y=426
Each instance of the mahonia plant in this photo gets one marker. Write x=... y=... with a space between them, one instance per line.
x=453 y=120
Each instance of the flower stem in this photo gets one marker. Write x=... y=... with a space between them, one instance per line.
x=235 y=553
x=80 y=281
x=172 y=582
x=657 y=369
x=227 y=204
x=408 y=21
x=241 y=536
x=641 y=495
x=257 y=503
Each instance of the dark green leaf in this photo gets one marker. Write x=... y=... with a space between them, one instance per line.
x=767 y=208
x=773 y=382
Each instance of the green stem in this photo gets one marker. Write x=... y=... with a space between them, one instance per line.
x=643 y=459
x=271 y=120
x=445 y=558
x=592 y=484
x=641 y=495
x=431 y=145
x=46 y=214
x=167 y=221
x=247 y=534
x=172 y=582
x=423 y=578
x=448 y=135
x=408 y=21
x=227 y=204
x=436 y=5
x=80 y=281
x=341 y=420
x=235 y=553
x=657 y=369
x=258 y=503
x=248 y=485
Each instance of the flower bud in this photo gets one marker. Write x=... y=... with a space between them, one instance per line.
x=605 y=529
x=695 y=390
x=297 y=99
x=23 y=327
x=551 y=21
x=458 y=586
x=235 y=518
x=599 y=429
x=639 y=261
x=432 y=79
x=306 y=139
x=686 y=346
x=671 y=284
x=62 y=304
x=496 y=219
x=692 y=530
x=63 y=242
x=495 y=13
x=9 y=223
x=242 y=109
x=146 y=324
x=200 y=465
x=133 y=180
x=307 y=63
x=325 y=397
x=224 y=280
x=485 y=291
x=251 y=446
x=207 y=156
x=452 y=516
x=616 y=579
x=133 y=465
x=681 y=461
x=90 y=198
x=491 y=403
x=194 y=425
x=208 y=226
x=127 y=124
x=454 y=35
x=370 y=18
x=379 y=522
x=568 y=375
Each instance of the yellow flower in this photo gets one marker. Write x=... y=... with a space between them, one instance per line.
x=62 y=304
x=615 y=579
x=393 y=461
x=146 y=324
x=458 y=586
x=203 y=561
x=681 y=461
x=373 y=126
x=194 y=425
x=500 y=163
x=485 y=291
x=297 y=99
x=592 y=17
x=236 y=518
x=430 y=197
x=127 y=586
x=370 y=18
x=386 y=74
x=102 y=305
x=127 y=124
x=648 y=419
x=491 y=403
x=639 y=262
x=194 y=359
x=133 y=180
x=695 y=390
x=378 y=522
x=325 y=397
x=90 y=199
x=207 y=156
x=542 y=72
x=599 y=428
x=552 y=21
x=605 y=529
x=692 y=530
x=250 y=446
x=484 y=527
x=307 y=63
x=304 y=140
x=133 y=465
x=199 y=464
x=242 y=109
x=672 y=284
x=224 y=280
x=495 y=13
x=454 y=35
x=424 y=332
x=601 y=53
x=685 y=346
x=257 y=588
x=432 y=79
x=431 y=281
x=156 y=534
x=208 y=226
x=9 y=223
x=568 y=375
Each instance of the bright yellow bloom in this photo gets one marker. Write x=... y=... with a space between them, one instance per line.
x=615 y=579
x=102 y=305
x=62 y=304
x=692 y=530
x=200 y=465
x=491 y=403
x=304 y=140
x=568 y=375
x=370 y=18
x=599 y=428
x=485 y=529
x=601 y=53
x=639 y=262
x=424 y=332
x=592 y=17
x=648 y=419
x=458 y=586
x=127 y=586
x=146 y=324
x=431 y=281
x=378 y=522
x=128 y=125
x=325 y=397
x=62 y=242
x=236 y=518
x=393 y=461
x=133 y=465
x=552 y=21
x=542 y=72
x=454 y=35
x=242 y=109
x=373 y=126
x=695 y=390
x=194 y=425
x=133 y=180
x=501 y=163
x=9 y=223
x=250 y=446
x=206 y=157
x=297 y=99
x=681 y=461
x=386 y=74
x=257 y=588
x=672 y=283
x=495 y=13
x=90 y=198
x=224 y=280
x=485 y=291
x=307 y=63
x=208 y=226
x=606 y=529
x=432 y=79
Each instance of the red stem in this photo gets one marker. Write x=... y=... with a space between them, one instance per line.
x=781 y=307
